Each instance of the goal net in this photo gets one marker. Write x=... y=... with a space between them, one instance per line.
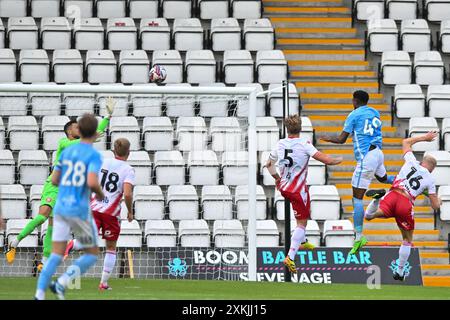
x=194 y=154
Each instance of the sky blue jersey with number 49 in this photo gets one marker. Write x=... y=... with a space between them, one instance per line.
x=75 y=163
x=364 y=125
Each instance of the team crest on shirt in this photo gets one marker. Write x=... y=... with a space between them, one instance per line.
x=49 y=199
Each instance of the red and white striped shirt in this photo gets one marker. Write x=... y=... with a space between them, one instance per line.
x=114 y=173
x=293 y=155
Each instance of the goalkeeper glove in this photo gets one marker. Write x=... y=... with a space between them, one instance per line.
x=100 y=136
x=110 y=104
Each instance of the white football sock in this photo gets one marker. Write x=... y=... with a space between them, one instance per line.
x=40 y=294
x=372 y=208
x=403 y=255
x=108 y=266
x=297 y=238
x=358 y=236
x=77 y=245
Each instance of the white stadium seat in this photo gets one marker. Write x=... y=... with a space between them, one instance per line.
x=216 y=106
x=415 y=35
x=194 y=233
x=146 y=105
x=191 y=133
x=307 y=129
x=121 y=34
x=13 y=201
x=158 y=134
x=78 y=8
x=45 y=103
x=35 y=199
x=437 y=10
x=444 y=195
x=442 y=170
x=171 y=61
x=446 y=133
x=53 y=131
x=246 y=9
x=225 y=34
x=316 y=173
x=148 y=203
x=275 y=100
x=200 y=66
x=7 y=167
x=419 y=126
x=182 y=202
x=67 y=66
x=267 y=179
x=143 y=8
x=78 y=103
x=217 y=203
x=428 y=68
x=125 y=127
x=235 y=168
x=203 y=168
x=258 y=34
x=111 y=8
x=210 y=9
x=438 y=98
x=325 y=202
x=8 y=65
x=267 y=234
x=338 y=233
x=13 y=103
x=228 y=234
x=88 y=34
x=101 y=66
x=2 y=35
x=225 y=134
x=369 y=9
x=55 y=33
x=271 y=66
x=169 y=168
x=121 y=100
x=22 y=33
x=279 y=207
x=382 y=35
x=154 y=34
x=134 y=66
x=241 y=202
x=396 y=67
x=14 y=227
x=33 y=166
x=267 y=133
x=173 y=9
x=238 y=66
x=13 y=8
x=140 y=162
x=23 y=133
x=130 y=235
x=444 y=36
x=187 y=34
x=2 y=135
x=402 y=9
x=45 y=8
x=160 y=233
x=34 y=66
x=242 y=104
x=409 y=101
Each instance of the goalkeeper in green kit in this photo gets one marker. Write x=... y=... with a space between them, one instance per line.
x=50 y=192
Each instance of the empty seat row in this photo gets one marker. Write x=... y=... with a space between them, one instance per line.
x=206 y=9
x=409 y=101
x=397 y=68
x=122 y=34
x=433 y=10
x=419 y=125
x=100 y=66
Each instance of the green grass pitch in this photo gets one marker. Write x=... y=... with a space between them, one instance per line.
x=136 y=289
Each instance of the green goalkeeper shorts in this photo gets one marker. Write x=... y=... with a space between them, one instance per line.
x=49 y=194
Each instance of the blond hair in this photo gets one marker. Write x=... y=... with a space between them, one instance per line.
x=293 y=124
x=430 y=160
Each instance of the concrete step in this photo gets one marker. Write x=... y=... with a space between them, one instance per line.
x=333 y=119
x=395 y=235
x=327 y=130
x=332 y=75
x=316 y=11
x=321 y=33
x=434 y=257
x=387 y=142
x=315 y=54
x=436 y=269
x=336 y=98
x=435 y=281
x=346 y=188
x=428 y=245
x=300 y=3
x=307 y=22
x=329 y=86
x=347 y=154
x=328 y=65
x=317 y=43
x=417 y=209
x=390 y=224
x=339 y=109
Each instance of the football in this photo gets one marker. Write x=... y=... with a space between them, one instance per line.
x=157 y=74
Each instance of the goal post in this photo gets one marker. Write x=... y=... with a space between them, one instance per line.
x=247 y=93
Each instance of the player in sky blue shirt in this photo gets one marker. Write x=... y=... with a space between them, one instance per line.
x=77 y=177
x=364 y=125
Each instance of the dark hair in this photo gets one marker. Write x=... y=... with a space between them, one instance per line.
x=361 y=96
x=88 y=125
x=293 y=124
x=121 y=147
x=67 y=126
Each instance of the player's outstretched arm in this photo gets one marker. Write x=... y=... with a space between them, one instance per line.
x=340 y=139
x=128 y=196
x=270 y=165
x=103 y=124
x=435 y=201
x=408 y=143
x=56 y=177
x=327 y=159
x=94 y=185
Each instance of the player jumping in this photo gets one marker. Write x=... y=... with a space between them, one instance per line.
x=291 y=156
x=77 y=176
x=364 y=125
x=117 y=181
x=413 y=179
x=50 y=192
